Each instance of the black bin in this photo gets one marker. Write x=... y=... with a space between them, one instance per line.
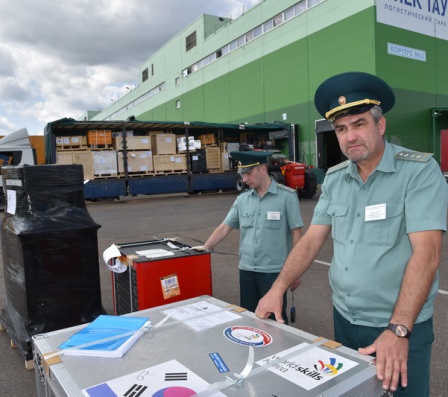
x=197 y=161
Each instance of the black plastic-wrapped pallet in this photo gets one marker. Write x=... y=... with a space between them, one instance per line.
x=50 y=252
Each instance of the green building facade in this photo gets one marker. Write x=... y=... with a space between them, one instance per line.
x=265 y=66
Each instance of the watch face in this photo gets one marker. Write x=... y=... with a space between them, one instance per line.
x=401 y=331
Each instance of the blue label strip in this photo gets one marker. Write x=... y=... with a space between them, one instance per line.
x=220 y=364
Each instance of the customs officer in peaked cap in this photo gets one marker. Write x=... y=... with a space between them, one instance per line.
x=268 y=217
x=385 y=207
x=247 y=161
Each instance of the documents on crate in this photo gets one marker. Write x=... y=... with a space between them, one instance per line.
x=106 y=336
x=118 y=263
x=201 y=315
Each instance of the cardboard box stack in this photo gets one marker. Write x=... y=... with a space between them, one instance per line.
x=85 y=150
x=139 y=154
x=102 y=152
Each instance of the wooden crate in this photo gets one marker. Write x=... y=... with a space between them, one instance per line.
x=139 y=161
x=167 y=163
x=78 y=141
x=133 y=143
x=99 y=137
x=85 y=158
x=105 y=162
x=64 y=157
x=162 y=143
x=207 y=139
x=71 y=141
x=213 y=157
x=62 y=141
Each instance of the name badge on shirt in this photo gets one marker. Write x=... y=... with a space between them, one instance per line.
x=375 y=212
x=273 y=215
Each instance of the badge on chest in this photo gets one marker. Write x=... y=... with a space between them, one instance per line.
x=375 y=212
x=273 y=215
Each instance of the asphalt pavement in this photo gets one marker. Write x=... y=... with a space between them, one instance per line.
x=192 y=218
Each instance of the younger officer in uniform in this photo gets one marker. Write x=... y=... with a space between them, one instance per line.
x=386 y=209
x=269 y=220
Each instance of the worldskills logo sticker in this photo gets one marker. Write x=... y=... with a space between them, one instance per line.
x=247 y=336
x=309 y=369
x=328 y=369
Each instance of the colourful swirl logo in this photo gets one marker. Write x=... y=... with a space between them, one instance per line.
x=248 y=336
x=328 y=369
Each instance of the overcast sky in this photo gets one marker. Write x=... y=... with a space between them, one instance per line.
x=59 y=58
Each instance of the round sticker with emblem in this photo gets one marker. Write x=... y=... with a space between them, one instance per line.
x=247 y=336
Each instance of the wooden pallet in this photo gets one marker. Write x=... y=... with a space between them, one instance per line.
x=29 y=364
x=136 y=174
x=65 y=148
x=172 y=172
x=105 y=176
x=209 y=145
x=99 y=147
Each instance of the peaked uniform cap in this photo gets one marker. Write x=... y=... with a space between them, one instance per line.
x=247 y=161
x=352 y=93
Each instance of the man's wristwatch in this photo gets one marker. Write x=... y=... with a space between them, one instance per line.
x=400 y=330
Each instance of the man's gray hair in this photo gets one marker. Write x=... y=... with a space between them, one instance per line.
x=376 y=113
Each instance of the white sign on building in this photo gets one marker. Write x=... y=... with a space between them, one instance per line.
x=428 y=17
x=406 y=52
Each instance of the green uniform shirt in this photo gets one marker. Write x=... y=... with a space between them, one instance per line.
x=265 y=223
x=370 y=225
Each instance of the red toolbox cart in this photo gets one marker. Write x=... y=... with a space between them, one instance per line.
x=159 y=272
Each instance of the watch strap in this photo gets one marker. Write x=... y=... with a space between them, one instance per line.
x=396 y=328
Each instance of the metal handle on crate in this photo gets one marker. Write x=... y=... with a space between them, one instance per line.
x=39 y=367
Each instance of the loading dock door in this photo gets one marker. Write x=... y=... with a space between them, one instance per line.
x=327 y=146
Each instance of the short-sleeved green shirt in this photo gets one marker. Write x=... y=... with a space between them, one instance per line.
x=370 y=225
x=265 y=224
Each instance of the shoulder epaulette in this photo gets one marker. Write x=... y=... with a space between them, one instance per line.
x=413 y=156
x=284 y=187
x=339 y=166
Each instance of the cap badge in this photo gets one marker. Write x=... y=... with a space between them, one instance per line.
x=342 y=100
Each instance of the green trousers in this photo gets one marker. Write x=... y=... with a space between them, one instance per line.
x=253 y=286
x=419 y=359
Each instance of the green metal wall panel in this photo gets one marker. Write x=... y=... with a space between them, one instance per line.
x=426 y=76
x=283 y=82
x=216 y=100
x=285 y=77
x=246 y=90
x=193 y=108
x=409 y=121
x=345 y=46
